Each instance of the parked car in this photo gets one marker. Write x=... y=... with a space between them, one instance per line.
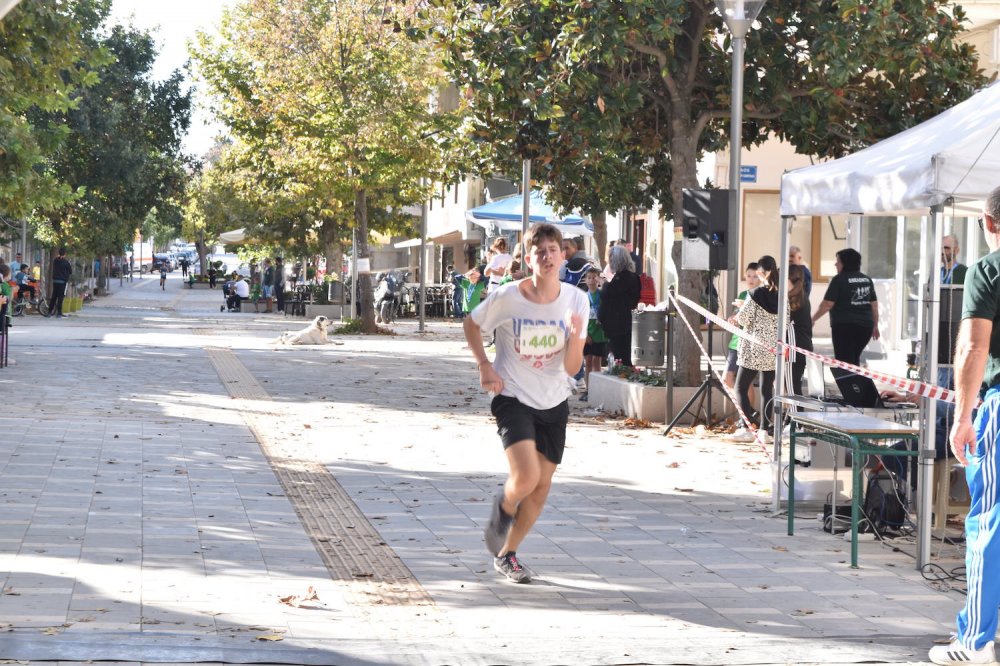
x=161 y=259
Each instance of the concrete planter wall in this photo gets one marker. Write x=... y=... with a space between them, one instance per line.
x=646 y=402
x=328 y=311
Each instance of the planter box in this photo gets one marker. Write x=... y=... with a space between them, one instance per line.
x=328 y=311
x=647 y=402
x=196 y=285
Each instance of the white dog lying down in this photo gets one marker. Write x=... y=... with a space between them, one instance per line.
x=313 y=334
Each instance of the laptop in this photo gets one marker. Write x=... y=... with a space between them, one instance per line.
x=858 y=391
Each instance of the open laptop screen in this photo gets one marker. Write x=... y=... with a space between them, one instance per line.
x=858 y=391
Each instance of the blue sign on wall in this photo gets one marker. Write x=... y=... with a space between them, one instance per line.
x=748 y=173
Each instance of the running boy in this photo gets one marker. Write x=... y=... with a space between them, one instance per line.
x=163 y=277
x=596 y=347
x=540 y=332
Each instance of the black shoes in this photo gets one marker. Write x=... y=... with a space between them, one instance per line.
x=496 y=530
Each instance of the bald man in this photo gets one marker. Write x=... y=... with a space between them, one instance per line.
x=952 y=272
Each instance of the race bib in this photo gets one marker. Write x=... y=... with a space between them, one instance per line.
x=541 y=339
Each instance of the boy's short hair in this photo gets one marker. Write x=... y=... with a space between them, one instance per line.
x=542 y=232
x=592 y=270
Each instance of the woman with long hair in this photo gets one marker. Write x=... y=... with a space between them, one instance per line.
x=497 y=265
x=802 y=328
x=759 y=318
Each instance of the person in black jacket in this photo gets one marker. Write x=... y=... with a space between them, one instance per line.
x=619 y=297
x=61 y=272
x=279 y=283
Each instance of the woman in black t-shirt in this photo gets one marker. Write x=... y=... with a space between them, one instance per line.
x=850 y=300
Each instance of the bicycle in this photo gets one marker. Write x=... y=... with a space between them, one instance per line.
x=22 y=306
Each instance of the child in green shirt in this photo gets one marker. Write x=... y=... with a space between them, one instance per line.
x=753 y=281
x=472 y=287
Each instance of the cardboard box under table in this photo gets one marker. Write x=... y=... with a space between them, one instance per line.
x=862 y=436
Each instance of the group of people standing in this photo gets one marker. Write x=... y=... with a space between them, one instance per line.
x=849 y=299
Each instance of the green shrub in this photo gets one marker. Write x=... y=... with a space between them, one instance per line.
x=351 y=326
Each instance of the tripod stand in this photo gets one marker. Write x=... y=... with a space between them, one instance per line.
x=703 y=394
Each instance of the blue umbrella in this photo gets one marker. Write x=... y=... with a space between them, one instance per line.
x=505 y=215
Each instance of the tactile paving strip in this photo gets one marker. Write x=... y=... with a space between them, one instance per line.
x=350 y=546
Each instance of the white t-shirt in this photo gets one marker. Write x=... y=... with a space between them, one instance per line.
x=498 y=263
x=242 y=289
x=531 y=341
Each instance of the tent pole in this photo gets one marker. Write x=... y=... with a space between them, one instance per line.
x=422 y=262
x=928 y=407
x=355 y=307
x=525 y=206
x=779 y=370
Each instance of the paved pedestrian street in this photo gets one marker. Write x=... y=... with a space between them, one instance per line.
x=179 y=489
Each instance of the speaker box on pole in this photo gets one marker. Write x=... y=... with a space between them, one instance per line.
x=706 y=230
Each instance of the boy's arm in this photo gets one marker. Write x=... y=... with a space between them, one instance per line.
x=488 y=377
x=576 y=333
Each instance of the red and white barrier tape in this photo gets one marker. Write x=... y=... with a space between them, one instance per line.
x=757 y=434
x=913 y=386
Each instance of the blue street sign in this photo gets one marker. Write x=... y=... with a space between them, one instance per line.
x=748 y=173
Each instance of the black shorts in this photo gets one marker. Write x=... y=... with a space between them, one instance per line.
x=595 y=349
x=517 y=422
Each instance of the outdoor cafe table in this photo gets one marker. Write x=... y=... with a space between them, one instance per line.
x=863 y=436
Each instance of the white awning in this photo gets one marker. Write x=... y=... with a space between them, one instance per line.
x=955 y=154
x=233 y=237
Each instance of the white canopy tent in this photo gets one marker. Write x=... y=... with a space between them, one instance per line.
x=954 y=155
x=234 y=237
x=951 y=158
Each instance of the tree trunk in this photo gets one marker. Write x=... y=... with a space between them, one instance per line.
x=684 y=175
x=600 y=221
x=202 y=261
x=366 y=303
x=331 y=247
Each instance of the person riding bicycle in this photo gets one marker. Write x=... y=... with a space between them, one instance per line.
x=25 y=283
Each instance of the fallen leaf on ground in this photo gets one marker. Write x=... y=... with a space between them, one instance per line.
x=270 y=637
x=780 y=548
x=295 y=600
x=50 y=631
x=633 y=422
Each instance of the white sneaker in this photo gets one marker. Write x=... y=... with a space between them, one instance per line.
x=581 y=384
x=741 y=435
x=954 y=653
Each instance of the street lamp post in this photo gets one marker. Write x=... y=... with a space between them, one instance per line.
x=739 y=16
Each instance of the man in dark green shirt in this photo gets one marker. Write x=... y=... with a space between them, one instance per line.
x=977 y=374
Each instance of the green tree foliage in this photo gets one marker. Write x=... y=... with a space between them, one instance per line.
x=45 y=57
x=645 y=85
x=331 y=102
x=123 y=152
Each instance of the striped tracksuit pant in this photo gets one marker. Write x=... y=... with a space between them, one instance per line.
x=977 y=622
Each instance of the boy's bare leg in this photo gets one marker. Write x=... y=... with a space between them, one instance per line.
x=526 y=490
